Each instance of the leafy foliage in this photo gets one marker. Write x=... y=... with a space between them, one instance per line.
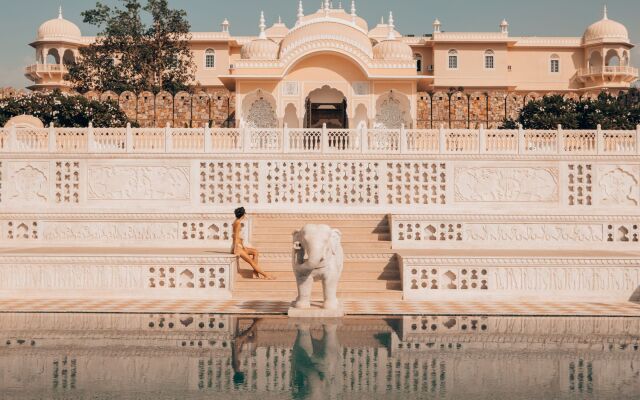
x=69 y=111
x=618 y=113
x=131 y=55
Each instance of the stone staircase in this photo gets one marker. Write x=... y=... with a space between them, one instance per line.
x=370 y=269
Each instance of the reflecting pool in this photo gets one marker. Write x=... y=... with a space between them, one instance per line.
x=103 y=356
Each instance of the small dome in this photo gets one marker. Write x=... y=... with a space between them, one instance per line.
x=59 y=28
x=392 y=50
x=277 y=30
x=260 y=49
x=606 y=30
x=381 y=31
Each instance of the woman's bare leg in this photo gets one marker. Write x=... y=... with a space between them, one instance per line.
x=243 y=254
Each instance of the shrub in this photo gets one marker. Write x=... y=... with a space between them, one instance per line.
x=64 y=110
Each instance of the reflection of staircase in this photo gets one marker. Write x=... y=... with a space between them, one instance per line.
x=370 y=270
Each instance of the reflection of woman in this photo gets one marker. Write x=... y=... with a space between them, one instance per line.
x=247 y=337
x=248 y=254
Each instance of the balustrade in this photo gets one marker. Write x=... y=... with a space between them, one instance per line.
x=320 y=141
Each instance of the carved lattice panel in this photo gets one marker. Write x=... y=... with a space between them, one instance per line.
x=228 y=182
x=67 y=182
x=1 y=184
x=625 y=233
x=457 y=324
x=322 y=182
x=455 y=278
x=190 y=322
x=425 y=231
x=22 y=230
x=206 y=230
x=261 y=115
x=188 y=277
x=416 y=183
x=580 y=184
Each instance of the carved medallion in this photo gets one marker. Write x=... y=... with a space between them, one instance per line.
x=619 y=185
x=138 y=183
x=28 y=183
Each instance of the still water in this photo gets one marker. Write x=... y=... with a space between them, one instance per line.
x=102 y=356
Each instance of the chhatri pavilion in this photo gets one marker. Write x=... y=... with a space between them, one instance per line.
x=332 y=68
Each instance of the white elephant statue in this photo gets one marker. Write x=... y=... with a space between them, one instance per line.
x=318 y=255
x=315 y=362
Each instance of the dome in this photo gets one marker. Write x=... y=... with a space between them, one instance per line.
x=277 y=30
x=260 y=49
x=381 y=31
x=59 y=28
x=606 y=30
x=392 y=49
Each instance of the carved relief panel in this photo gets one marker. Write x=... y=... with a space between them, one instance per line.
x=625 y=233
x=27 y=183
x=506 y=184
x=21 y=230
x=134 y=182
x=228 y=182
x=416 y=183
x=1 y=183
x=428 y=231
x=207 y=230
x=619 y=185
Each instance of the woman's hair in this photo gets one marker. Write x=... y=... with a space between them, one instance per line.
x=239 y=212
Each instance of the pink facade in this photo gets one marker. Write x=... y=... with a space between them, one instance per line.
x=332 y=68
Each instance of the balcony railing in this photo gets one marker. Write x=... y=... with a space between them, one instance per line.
x=609 y=70
x=45 y=68
x=320 y=141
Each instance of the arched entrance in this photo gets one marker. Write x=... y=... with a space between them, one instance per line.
x=326 y=106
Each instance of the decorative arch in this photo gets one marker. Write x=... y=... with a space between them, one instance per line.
x=489 y=59
x=393 y=109
x=440 y=109
x=360 y=116
x=351 y=53
x=69 y=57
x=291 y=116
x=53 y=56
x=109 y=95
x=259 y=110
x=612 y=59
x=453 y=59
x=128 y=103
x=595 y=59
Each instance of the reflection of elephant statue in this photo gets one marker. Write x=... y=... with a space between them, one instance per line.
x=317 y=255
x=315 y=362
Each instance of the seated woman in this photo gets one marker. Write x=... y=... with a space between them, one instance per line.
x=248 y=254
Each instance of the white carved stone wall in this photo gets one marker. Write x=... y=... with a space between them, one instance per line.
x=520 y=278
x=139 y=276
x=532 y=232
x=372 y=184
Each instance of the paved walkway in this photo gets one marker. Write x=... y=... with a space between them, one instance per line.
x=252 y=307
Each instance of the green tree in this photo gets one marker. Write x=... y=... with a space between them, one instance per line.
x=64 y=110
x=620 y=113
x=131 y=55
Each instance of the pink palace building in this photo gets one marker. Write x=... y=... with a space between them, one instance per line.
x=332 y=68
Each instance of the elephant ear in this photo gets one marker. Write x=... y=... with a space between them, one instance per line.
x=336 y=238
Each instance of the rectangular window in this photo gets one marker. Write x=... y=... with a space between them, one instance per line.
x=453 y=62
x=210 y=61
x=555 y=66
x=488 y=62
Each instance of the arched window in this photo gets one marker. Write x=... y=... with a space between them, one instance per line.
x=612 y=59
x=489 y=59
x=453 y=59
x=554 y=64
x=418 y=59
x=210 y=58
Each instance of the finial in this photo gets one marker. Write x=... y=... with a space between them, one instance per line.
x=353 y=8
x=436 y=26
x=327 y=5
x=279 y=19
x=392 y=33
x=605 y=13
x=60 y=12
x=504 y=26
x=262 y=26
x=382 y=20
x=340 y=5
x=300 y=10
x=225 y=25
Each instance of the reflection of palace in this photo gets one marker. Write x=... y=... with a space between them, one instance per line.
x=332 y=67
x=448 y=357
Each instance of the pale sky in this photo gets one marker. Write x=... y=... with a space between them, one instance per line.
x=20 y=19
